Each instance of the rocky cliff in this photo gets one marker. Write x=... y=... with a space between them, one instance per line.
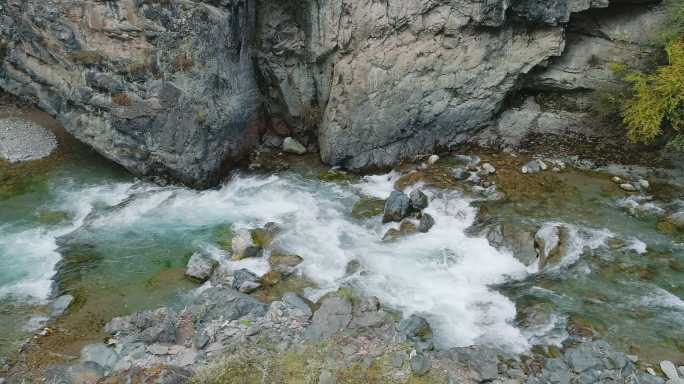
x=185 y=89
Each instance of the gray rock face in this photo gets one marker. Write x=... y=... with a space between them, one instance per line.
x=182 y=89
x=333 y=316
x=144 y=83
x=200 y=266
x=397 y=207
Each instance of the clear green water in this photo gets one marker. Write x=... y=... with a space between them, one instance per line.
x=77 y=224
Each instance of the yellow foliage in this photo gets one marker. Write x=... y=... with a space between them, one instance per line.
x=657 y=99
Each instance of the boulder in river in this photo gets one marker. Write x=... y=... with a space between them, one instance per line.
x=426 y=223
x=243 y=246
x=284 y=263
x=419 y=200
x=417 y=329
x=367 y=207
x=99 y=354
x=245 y=280
x=550 y=242
x=460 y=174
x=397 y=207
x=201 y=266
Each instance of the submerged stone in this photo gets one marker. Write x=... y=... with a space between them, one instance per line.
x=368 y=207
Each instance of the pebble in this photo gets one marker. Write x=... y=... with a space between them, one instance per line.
x=616 y=180
x=291 y=145
x=460 y=174
x=644 y=184
x=650 y=371
x=433 y=159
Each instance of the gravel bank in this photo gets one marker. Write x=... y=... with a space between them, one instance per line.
x=22 y=140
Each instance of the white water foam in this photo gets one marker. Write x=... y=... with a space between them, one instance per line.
x=29 y=256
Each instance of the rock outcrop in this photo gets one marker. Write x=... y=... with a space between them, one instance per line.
x=187 y=89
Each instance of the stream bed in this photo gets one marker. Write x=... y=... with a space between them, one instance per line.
x=76 y=224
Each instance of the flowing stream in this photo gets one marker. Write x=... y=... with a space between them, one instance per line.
x=83 y=226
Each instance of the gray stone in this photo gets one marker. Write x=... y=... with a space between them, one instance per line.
x=460 y=174
x=426 y=223
x=581 y=360
x=550 y=245
x=397 y=207
x=677 y=219
x=534 y=166
x=291 y=145
x=669 y=370
x=243 y=275
x=60 y=305
x=419 y=200
x=200 y=267
x=333 y=316
x=249 y=286
x=484 y=361
x=418 y=330
x=99 y=354
x=298 y=302
x=420 y=364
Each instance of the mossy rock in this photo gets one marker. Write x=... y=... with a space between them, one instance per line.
x=224 y=237
x=280 y=259
x=53 y=217
x=368 y=207
x=336 y=176
x=271 y=278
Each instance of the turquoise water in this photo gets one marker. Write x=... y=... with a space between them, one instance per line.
x=77 y=224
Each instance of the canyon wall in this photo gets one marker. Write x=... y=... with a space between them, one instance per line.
x=186 y=89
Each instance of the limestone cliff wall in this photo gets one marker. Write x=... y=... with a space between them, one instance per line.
x=186 y=88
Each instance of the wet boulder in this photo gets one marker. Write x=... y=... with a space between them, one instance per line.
x=60 y=305
x=243 y=246
x=367 y=207
x=460 y=174
x=415 y=328
x=426 y=223
x=225 y=304
x=550 y=243
x=245 y=280
x=284 y=263
x=200 y=267
x=419 y=200
x=397 y=207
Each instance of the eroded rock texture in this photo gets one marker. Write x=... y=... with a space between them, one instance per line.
x=187 y=88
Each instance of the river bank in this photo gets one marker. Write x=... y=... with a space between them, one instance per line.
x=472 y=275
